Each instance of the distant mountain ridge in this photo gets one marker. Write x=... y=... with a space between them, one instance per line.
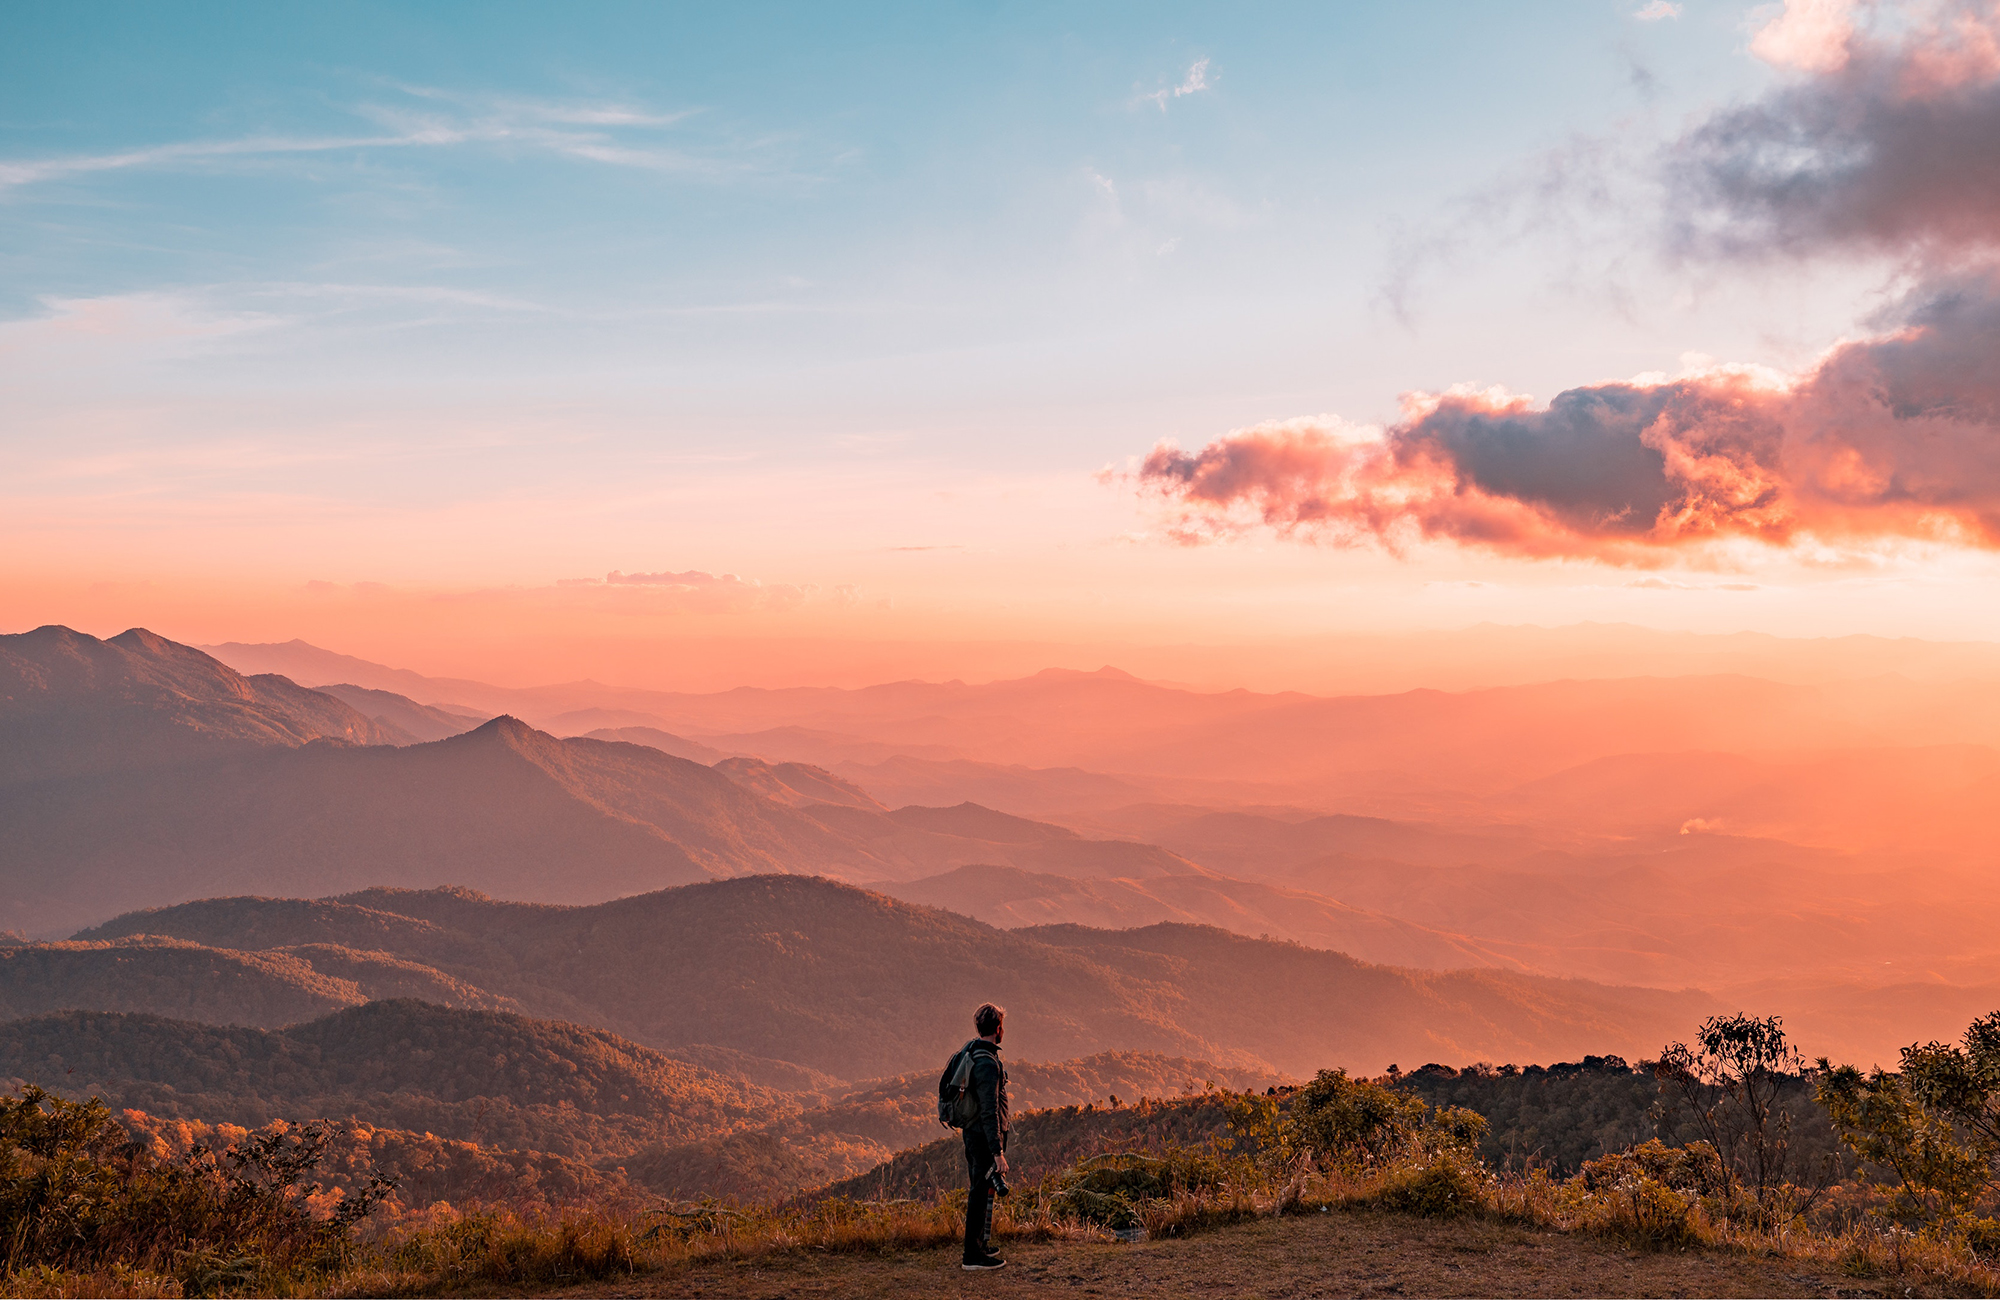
x=420 y=722
x=1489 y=737
x=72 y=704
x=824 y=975
x=145 y=773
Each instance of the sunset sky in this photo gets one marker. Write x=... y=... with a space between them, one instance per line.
x=536 y=341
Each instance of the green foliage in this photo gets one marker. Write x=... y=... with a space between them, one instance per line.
x=1650 y=1194
x=1353 y=1122
x=1935 y=1125
x=1559 y=1116
x=1115 y=1189
x=76 y=1193
x=1963 y=1082
x=1695 y=1168
x=1443 y=1185
x=1733 y=1086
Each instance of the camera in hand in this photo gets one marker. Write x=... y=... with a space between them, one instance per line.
x=998 y=1182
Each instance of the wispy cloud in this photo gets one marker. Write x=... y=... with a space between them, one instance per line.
x=609 y=134
x=1657 y=11
x=428 y=294
x=1194 y=83
x=696 y=591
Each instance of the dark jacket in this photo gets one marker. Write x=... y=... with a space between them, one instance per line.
x=989 y=1085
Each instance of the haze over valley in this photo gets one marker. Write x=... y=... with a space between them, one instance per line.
x=1398 y=605
x=164 y=805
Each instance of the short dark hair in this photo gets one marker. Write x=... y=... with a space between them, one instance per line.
x=988 y=1018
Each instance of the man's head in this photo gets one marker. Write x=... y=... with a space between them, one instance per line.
x=990 y=1021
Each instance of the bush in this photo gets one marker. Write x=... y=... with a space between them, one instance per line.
x=1340 y=1122
x=1982 y=1237
x=1442 y=1187
x=78 y=1195
x=1695 y=1168
x=1650 y=1195
x=1115 y=1189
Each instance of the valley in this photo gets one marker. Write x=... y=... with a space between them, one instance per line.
x=654 y=957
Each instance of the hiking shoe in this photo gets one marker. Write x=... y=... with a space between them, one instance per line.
x=983 y=1263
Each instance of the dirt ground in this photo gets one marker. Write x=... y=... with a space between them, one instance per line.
x=1320 y=1255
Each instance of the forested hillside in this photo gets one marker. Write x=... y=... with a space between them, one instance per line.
x=428 y=1169
x=819 y=974
x=496 y=1079
x=190 y=981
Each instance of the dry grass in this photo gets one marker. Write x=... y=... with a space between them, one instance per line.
x=1425 y=1228
x=118 y=1282
x=1406 y=1230
x=1428 y=1219
x=1337 y=1253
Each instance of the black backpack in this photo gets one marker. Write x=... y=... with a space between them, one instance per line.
x=958 y=1105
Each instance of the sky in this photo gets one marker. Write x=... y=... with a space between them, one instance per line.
x=525 y=340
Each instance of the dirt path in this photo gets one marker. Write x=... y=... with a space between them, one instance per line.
x=1321 y=1255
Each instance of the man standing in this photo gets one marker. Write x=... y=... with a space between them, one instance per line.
x=985 y=1140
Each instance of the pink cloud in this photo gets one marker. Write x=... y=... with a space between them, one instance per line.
x=1890 y=144
x=1897 y=435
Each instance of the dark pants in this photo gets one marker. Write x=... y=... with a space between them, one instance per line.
x=978 y=1205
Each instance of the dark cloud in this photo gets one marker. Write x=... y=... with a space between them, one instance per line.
x=1898 y=435
x=1894 y=146
x=1888 y=143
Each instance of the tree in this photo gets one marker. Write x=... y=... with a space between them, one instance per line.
x=1935 y=1125
x=1733 y=1087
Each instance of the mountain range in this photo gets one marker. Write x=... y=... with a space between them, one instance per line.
x=1808 y=840
x=230 y=784
x=853 y=985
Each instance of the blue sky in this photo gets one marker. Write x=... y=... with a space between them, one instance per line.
x=501 y=293
x=764 y=208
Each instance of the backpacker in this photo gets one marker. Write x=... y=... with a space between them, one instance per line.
x=958 y=1105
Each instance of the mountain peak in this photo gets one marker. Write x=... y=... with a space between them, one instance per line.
x=505 y=729
x=72 y=703
x=139 y=638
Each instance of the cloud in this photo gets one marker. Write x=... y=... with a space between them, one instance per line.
x=590 y=132
x=1892 y=144
x=1809 y=34
x=1888 y=143
x=1892 y=436
x=1194 y=83
x=709 y=593
x=1196 y=80
x=1656 y=10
